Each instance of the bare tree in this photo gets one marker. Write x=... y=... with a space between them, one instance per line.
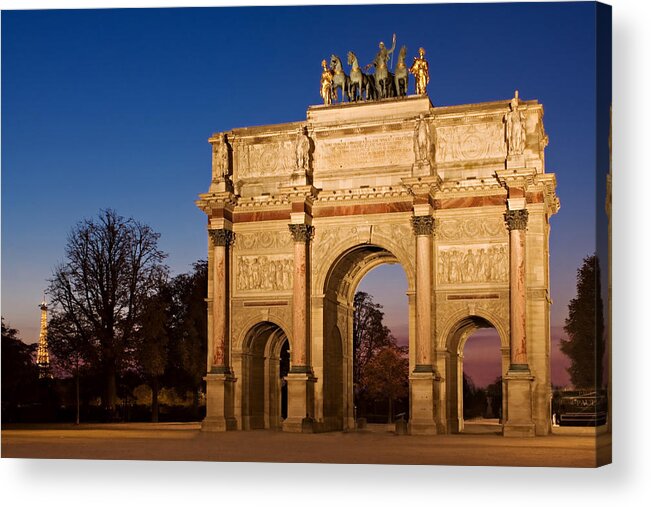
x=112 y=266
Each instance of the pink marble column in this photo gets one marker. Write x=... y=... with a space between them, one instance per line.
x=423 y=227
x=301 y=233
x=516 y=221
x=221 y=238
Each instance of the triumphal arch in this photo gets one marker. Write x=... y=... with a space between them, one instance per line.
x=299 y=212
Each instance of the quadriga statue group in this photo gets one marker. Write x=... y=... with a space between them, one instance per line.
x=382 y=84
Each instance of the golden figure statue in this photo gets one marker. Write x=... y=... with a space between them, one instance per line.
x=420 y=70
x=326 y=84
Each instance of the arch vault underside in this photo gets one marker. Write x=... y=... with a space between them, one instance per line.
x=291 y=237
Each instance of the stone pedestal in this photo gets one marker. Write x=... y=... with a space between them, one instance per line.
x=515 y=162
x=422 y=396
x=220 y=185
x=519 y=418
x=421 y=168
x=220 y=390
x=300 y=400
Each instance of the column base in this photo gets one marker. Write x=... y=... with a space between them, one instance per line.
x=218 y=424
x=220 y=388
x=422 y=387
x=300 y=401
x=519 y=406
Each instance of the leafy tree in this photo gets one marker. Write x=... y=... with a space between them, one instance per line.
x=189 y=330
x=369 y=334
x=112 y=266
x=153 y=344
x=386 y=375
x=19 y=371
x=585 y=328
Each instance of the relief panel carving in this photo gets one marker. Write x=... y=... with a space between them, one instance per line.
x=268 y=240
x=470 y=142
x=394 y=149
x=264 y=272
x=269 y=159
x=476 y=264
x=470 y=228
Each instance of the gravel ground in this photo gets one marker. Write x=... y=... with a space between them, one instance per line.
x=185 y=442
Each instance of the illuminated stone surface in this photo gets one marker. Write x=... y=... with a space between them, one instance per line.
x=369 y=191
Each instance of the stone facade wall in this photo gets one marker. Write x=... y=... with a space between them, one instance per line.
x=352 y=180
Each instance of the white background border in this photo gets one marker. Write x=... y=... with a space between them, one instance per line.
x=102 y=483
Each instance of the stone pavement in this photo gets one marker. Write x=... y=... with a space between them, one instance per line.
x=185 y=442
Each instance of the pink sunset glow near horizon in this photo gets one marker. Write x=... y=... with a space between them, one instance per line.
x=482 y=350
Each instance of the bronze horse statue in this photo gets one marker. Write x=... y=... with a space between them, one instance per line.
x=384 y=79
x=360 y=86
x=340 y=79
x=401 y=78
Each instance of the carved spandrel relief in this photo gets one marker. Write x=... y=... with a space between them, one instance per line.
x=478 y=264
x=391 y=149
x=470 y=142
x=269 y=159
x=243 y=317
x=267 y=240
x=331 y=236
x=470 y=228
x=446 y=310
x=264 y=272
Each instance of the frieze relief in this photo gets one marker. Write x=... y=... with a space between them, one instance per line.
x=470 y=142
x=477 y=264
x=268 y=159
x=266 y=240
x=264 y=272
x=470 y=228
x=391 y=149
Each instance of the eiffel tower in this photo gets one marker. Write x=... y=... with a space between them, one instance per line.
x=42 y=357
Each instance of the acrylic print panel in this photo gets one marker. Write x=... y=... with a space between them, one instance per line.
x=397 y=228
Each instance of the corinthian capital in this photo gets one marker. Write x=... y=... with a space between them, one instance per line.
x=221 y=237
x=423 y=225
x=301 y=233
x=516 y=220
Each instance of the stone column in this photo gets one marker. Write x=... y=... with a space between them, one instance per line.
x=220 y=380
x=516 y=221
x=519 y=408
x=423 y=227
x=300 y=380
x=422 y=379
x=221 y=238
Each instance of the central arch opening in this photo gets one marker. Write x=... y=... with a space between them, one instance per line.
x=345 y=385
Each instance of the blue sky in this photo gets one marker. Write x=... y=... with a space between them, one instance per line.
x=113 y=108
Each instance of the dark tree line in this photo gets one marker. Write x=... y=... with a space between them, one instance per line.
x=19 y=372
x=118 y=320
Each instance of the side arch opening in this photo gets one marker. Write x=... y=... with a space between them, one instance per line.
x=265 y=363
